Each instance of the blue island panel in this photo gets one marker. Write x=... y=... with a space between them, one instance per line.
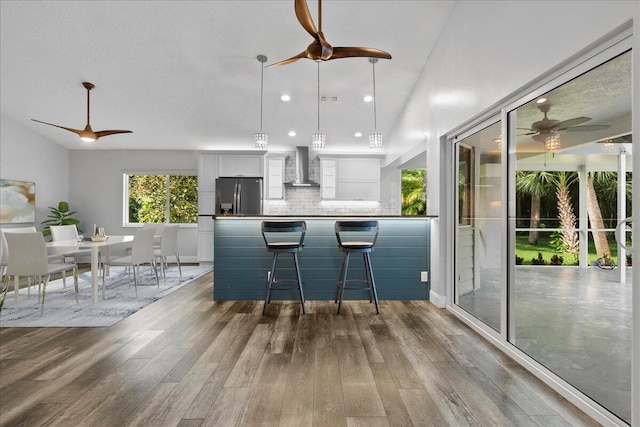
x=242 y=262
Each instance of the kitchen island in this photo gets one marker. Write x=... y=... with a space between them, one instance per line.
x=241 y=261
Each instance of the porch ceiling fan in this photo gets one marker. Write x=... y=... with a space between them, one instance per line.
x=320 y=49
x=87 y=134
x=541 y=129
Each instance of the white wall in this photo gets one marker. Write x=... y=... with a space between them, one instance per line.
x=27 y=156
x=96 y=185
x=487 y=51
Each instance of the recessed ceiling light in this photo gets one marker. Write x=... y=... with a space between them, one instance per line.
x=368 y=98
x=541 y=100
x=285 y=98
x=292 y=133
x=357 y=134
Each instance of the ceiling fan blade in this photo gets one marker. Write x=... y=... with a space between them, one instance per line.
x=587 y=128
x=76 y=131
x=304 y=17
x=571 y=122
x=527 y=134
x=290 y=60
x=102 y=133
x=367 y=52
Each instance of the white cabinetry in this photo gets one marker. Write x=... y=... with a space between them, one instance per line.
x=275 y=177
x=240 y=165
x=328 y=178
x=207 y=174
x=358 y=179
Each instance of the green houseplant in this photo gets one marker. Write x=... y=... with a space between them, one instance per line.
x=60 y=216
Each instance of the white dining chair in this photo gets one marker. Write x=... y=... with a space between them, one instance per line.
x=29 y=259
x=68 y=232
x=4 y=250
x=141 y=253
x=168 y=247
x=159 y=230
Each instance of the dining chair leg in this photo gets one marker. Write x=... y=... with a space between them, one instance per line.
x=75 y=281
x=179 y=267
x=135 y=278
x=64 y=277
x=155 y=269
x=103 y=282
x=5 y=283
x=44 y=293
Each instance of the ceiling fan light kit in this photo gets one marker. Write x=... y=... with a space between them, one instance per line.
x=552 y=143
x=261 y=139
x=87 y=134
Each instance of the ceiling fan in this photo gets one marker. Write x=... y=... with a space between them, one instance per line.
x=320 y=49
x=541 y=129
x=87 y=134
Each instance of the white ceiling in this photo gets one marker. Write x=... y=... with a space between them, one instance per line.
x=184 y=74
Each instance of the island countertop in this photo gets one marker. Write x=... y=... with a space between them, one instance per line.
x=241 y=261
x=316 y=216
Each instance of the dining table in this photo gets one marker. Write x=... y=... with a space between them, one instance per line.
x=62 y=246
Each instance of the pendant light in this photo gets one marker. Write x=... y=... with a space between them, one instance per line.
x=375 y=139
x=261 y=139
x=318 y=140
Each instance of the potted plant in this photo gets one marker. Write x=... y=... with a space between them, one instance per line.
x=60 y=216
x=538 y=261
x=556 y=260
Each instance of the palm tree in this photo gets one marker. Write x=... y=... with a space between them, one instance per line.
x=413 y=192
x=570 y=241
x=537 y=184
x=595 y=219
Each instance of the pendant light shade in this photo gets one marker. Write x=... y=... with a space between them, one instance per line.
x=318 y=139
x=375 y=139
x=261 y=139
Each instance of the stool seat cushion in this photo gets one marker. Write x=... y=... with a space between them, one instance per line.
x=357 y=245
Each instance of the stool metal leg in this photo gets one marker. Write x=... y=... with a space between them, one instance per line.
x=343 y=279
x=373 y=283
x=368 y=277
x=272 y=278
x=340 y=284
x=295 y=261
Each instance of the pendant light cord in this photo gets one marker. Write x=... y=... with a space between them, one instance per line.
x=375 y=112
x=261 y=94
x=318 y=96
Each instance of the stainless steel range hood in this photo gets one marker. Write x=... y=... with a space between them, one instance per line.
x=302 y=170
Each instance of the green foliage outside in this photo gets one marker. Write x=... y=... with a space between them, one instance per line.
x=414 y=200
x=148 y=198
x=545 y=247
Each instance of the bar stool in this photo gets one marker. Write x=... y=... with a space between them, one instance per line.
x=283 y=237
x=361 y=237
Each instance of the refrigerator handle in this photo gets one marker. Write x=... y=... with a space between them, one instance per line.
x=235 y=198
x=238 y=200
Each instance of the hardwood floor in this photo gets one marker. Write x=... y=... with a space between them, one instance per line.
x=189 y=361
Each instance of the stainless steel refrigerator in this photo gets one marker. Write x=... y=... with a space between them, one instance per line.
x=239 y=196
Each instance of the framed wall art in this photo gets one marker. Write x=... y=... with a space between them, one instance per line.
x=17 y=201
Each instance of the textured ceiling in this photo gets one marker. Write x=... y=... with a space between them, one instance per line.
x=184 y=74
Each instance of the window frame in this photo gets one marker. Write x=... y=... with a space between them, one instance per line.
x=167 y=173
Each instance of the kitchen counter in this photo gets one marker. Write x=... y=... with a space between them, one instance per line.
x=241 y=260
x=263 y=217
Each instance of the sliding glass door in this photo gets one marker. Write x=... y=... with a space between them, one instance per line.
x=478 y=227
x=570 y=187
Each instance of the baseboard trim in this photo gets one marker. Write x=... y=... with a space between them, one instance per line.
x=437 y=300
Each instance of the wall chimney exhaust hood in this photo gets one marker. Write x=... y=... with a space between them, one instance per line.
x=302 y=169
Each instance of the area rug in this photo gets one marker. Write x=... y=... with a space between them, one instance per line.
x=61 y=309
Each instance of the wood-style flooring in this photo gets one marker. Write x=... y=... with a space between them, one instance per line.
x=189 y=361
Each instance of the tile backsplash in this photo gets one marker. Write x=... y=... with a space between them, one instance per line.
x=306 y=200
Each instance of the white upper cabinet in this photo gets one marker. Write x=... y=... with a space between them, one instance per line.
x=328 y=178
x=358 y=179
x=275 y=177
x=207 y=172
x=240 y=165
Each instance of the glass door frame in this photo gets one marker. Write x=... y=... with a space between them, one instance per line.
x=596 y=54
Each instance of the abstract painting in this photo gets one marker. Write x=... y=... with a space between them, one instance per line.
x=17 y=201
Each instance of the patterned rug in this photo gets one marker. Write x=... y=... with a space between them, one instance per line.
x=61 y=309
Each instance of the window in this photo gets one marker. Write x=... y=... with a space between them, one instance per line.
x=158 y=198
x=414 y=184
